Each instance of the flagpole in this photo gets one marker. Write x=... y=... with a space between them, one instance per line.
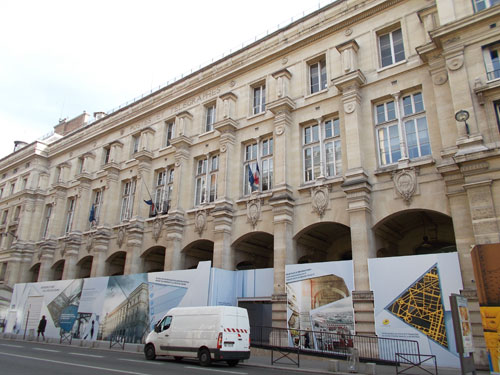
x=150 y=197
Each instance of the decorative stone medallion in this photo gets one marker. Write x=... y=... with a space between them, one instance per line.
x=253 y=211
x=120 y=237
x=405 y=182
x=320 y=200
x=200 y=221
x=157 y=225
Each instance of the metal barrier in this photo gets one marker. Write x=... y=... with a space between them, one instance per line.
x=409 y=361
x=331 y=344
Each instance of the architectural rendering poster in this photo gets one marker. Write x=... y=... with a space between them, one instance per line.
x=412 y=301
x=320 y=299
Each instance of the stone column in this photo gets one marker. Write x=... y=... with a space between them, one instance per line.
x=82 y=205
x=13 y=272
x=363 y=247
x=284 y=253
x=173 y=251
x=58 y=218
x=135 y=234
x=28 y=251
x=47 y=249
x=482 y=208
x=181 y=195
x=73 y=242
x=110 y=209
x=223 y=221
x=101 y=244
x=143 y=185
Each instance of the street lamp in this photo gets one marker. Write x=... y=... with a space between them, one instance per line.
x=463 y=116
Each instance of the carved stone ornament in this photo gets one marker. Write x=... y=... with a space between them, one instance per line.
x=440 y=78
x=200 y=221
x=280 y=130
x=320 y=200
x=120 y=237
x=405 y=182
x=90 y=242
x=347 y=32
x=349 y=107
x=455 y=63
x=284 y=60
x=157 y=225
x=223 y=148
x=253 y=211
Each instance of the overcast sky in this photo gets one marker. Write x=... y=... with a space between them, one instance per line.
x=60 y=58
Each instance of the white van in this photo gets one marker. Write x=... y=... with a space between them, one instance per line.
x=209 y=333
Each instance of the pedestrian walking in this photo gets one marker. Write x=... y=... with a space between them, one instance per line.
x=41 y=327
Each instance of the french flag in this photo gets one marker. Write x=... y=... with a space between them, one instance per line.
x=256 y=175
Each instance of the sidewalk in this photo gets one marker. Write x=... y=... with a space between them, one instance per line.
x=262 y=358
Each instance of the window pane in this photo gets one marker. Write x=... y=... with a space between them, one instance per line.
x=307 y=164
x=391 y=111
x=328 y=129
x=407 y=107
x=423 y=137
x=313 y=69
x=383 y=146
x=323 y=74
x=399 y=51
x=418 y=102
x=329 y=159
x=316 y=161
x=315 y=133
x=411 y=139
x=338 y=157
x=307 y=135
x=336 y=127
x=380 y=113
x=385 y=50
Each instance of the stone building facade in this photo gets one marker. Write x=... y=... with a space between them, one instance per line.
x=369 y=128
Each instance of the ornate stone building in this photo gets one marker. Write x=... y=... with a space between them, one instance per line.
x=369 y=128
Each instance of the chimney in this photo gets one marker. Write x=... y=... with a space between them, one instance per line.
x=99 y=115
x=19 y=145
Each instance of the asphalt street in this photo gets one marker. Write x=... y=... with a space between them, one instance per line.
x=27 y=358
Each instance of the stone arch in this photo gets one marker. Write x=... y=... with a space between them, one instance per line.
x=115 y=264
x=197 y=251
x=254 y=250
x=325 y=241
x=34 y=272
x=84 y=267
x=414 y=232
x=154 y=259
x=57 y=270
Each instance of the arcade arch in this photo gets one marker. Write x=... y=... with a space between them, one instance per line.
x=34 y=273
x=154 y=259
x=414 y=232
x=198 y=251
x=57 y=270
x=322 y=242
x=116 y=263
x=254 y=250
x=84 y=267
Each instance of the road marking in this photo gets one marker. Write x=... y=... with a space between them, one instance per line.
x=46 y=350
x=137 y=360
x=88 y=355
x=214 y=370
x=12 y=346
x=75 y=364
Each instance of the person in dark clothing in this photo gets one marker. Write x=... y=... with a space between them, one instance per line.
x=41 y=327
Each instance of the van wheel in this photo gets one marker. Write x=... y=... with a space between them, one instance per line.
x=232 y=362
x=204 y=357
x=178 y=359
x=149 y=352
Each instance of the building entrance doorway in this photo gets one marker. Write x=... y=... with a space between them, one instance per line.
x=259 y=315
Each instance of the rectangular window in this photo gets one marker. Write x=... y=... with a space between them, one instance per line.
x=1 y=192
x=317 y=76
x=106 y=154
x=480 y=5
x=497 y=112
x=135 y=143
x=491 y=61
x=46 y=221
x=97 y=202
x=259 y=99
x=411 y=125
x=206 y=180
x=69 y=215
x=81 y=162
x=209 y=117
x=258 y=168
x=12 y=187
x=5 y=213
x=17 y=213
x=169 y=132
x=163 y=190
x=25 y=183
x=127 y=200
x=391 y=47
x=322 y=150
x=3 y=270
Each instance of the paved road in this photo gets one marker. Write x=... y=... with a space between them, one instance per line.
x=27 y=358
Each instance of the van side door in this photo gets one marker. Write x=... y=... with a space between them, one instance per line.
x=163 y=331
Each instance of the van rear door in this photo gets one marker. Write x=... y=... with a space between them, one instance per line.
x=236 y=331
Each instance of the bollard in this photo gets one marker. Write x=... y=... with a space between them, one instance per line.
x=333 y=365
